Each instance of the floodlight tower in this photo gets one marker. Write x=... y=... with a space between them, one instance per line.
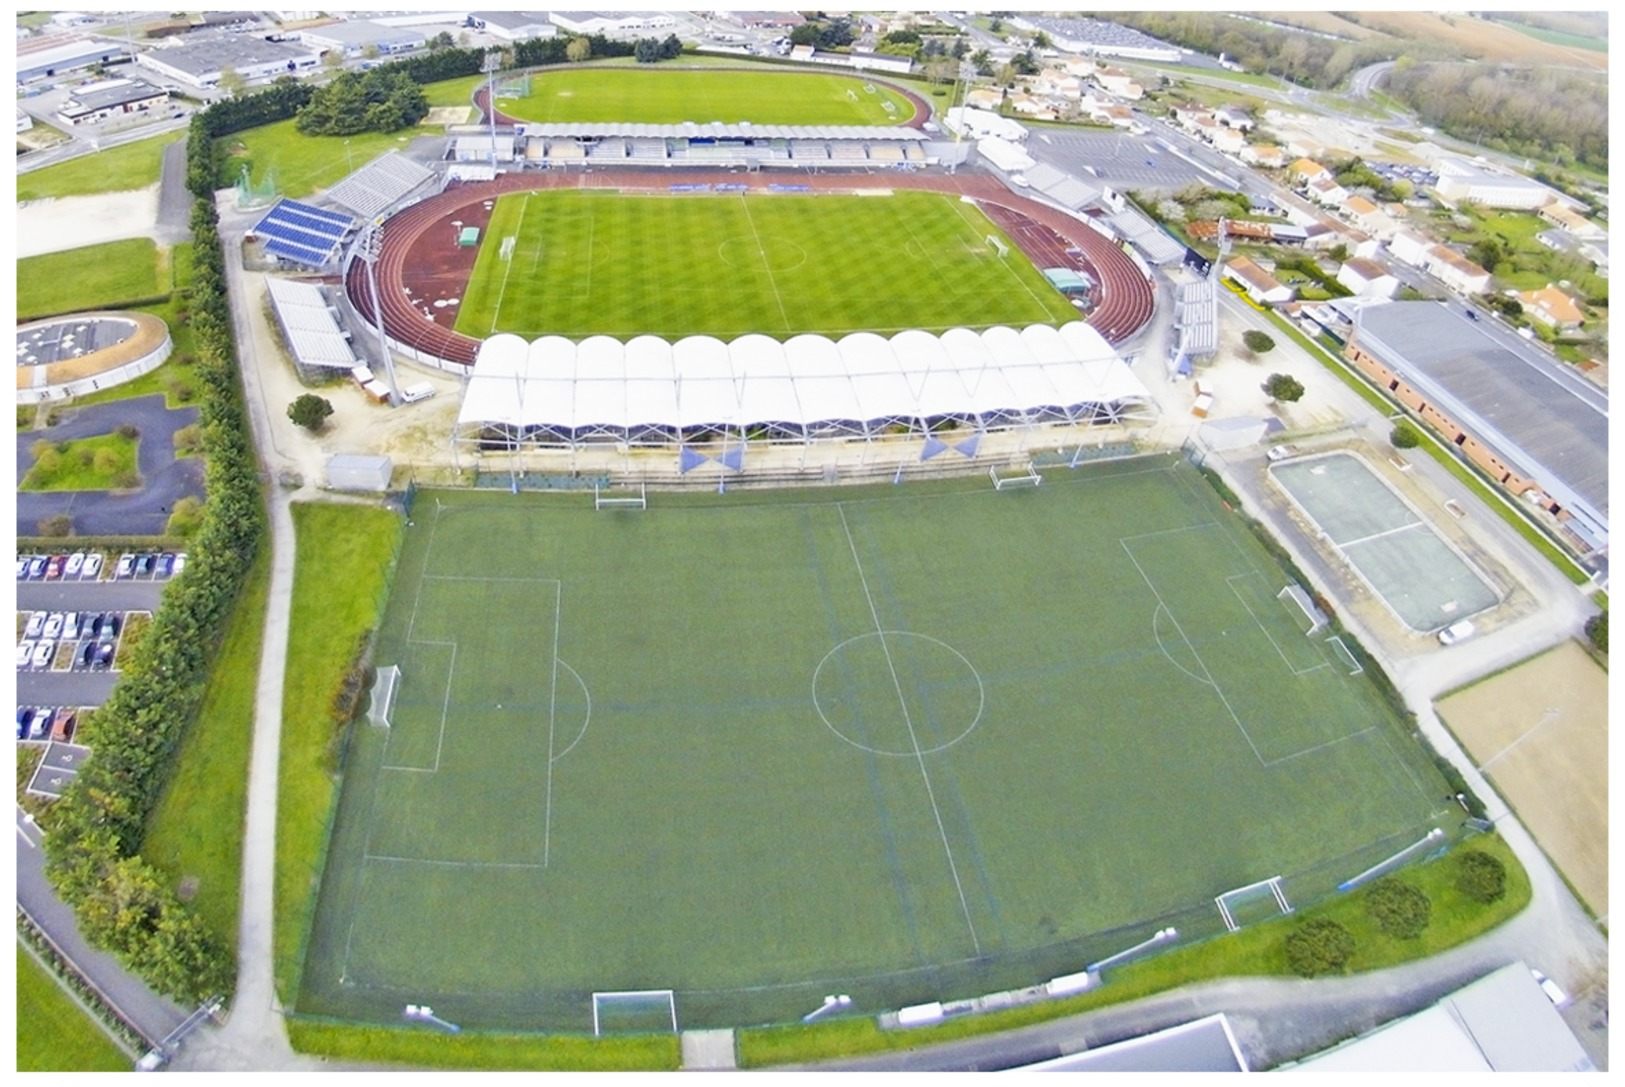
x=493 y=61
x=367 y=248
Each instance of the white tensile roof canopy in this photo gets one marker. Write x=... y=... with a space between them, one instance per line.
x=557 y=391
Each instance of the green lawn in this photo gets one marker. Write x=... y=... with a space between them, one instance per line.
x=342 y=574
x=176 y=379
x=101 y=463
x=208 y=791
x=904 y=744
x=118 y=169
x=303 y=164
x=104 y=276
x=673 y=96
x=726 y=265
x=53 y=1032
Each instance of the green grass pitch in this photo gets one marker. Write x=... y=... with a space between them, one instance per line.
x=903 y=744
x=724 y=265
x=674 y=97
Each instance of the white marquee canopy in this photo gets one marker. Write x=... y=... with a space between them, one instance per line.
x=556 y=391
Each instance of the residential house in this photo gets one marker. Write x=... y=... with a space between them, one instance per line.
x=984 y=98
x=1326 y=191
x=1566 y=218
x=1552 y=307
x=1231 y=117
x=1367 y=278
x=1306 y=170
x=1456 y=271
x=1228 y=140
x=1118 y=82
x=1267 y=155
x=1261 y=287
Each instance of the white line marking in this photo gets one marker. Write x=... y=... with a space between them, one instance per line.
x=552 y=717
x=909 y=721
x=1346 y=544
x=1231 y=581
x=766 y=266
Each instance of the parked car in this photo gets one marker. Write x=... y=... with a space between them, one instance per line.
x=143 y=565
x=24 y=716
x=104 y=656
x=1458 y=631
x=1279 y=452
x=93 y=626
x=53 y=627
x=70 y=626
x=166 y=565
x=180 y=564
x=53 y=566
x=126 y=566
x=36 y=625
x=25 y=652
x=38 y=723
x=43 y=651
x=1553 y=993
x=87 y=654
x=62 y=724
x=22 y=567
x=110 y=626
x=93 y=566
x=36 y=567
x=76 y=563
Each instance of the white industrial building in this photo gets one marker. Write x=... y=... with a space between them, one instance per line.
x=354 y=39
x=1461 y=181
x=202 y=64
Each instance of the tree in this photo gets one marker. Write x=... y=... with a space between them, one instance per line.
x=578 y=50
x=185 y=518
x=1257 y=341
x=983 y=60
x=994 y=25
x=1481 y=876
x=646 y=51
x=941 y=70
x=1597 y=631
x=1400 y=909
x=1319 y=946
x=1487 y=253
x=1404 y=436
x=442 y=40
x=1283 y=387
x=232 y=82
x=310 y=411
x=1042 y=40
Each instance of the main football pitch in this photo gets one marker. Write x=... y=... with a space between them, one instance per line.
x=621 y=264
x=762 y=96
x=904 y=744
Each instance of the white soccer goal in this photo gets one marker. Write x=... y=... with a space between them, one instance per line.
x=383 y=695
x=1346 y=654
x=634 y=1011
x=998 y=245
x=1013 y=477
x=1294 y=594
x=506 y=252
x=1266 y=891
x=621 y=498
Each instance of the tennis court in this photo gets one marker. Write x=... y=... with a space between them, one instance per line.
x=1422 y=579
x=905 y=744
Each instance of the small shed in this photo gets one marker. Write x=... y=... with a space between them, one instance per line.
x=354 y=472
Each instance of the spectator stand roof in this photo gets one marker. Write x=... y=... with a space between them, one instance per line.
x=309 y=326
x=1158 y=246
x=557 y=392
x=304 y=234
x=718 y=131
x=381 y=184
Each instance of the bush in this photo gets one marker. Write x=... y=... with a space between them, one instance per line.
x=128 y=430
x=310 y=411
x=59 y=525
x=1400 y=909
x=1257 y=341
x=1320 y=946
x=185 y=518
x=1283 y=387
x=1404 y=436
x=1597 y=631
x=1481 y=877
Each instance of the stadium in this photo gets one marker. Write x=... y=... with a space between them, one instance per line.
x=693 y=761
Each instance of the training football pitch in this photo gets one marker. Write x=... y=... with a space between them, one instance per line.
x=905 y=744
x=725 y=265
x=673 y=97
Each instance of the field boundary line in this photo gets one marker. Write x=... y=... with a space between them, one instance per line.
x=1206 y=671
x=1231 y=582
x=930 y=793
x=1312 y=748
x=385 y=858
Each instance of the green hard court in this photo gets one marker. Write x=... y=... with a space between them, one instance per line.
x=908 y=744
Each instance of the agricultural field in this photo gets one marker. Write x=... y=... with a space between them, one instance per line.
x=727 y=265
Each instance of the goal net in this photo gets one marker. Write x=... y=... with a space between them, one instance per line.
x=383 y=695
x=506 y=253
x=619 y=498
x=1345 y=654
x=1300 y=604
x=634 y=1011
x=1253 y=903
x=1011 y=478
x=998 y=245
x=517 y=86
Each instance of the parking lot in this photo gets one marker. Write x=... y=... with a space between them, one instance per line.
x=72 y=627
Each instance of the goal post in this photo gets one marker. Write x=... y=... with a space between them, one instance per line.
x=1254 y=902
x=1345 y=654
x=998 y=245
x=622 y=498
x=634 y=1011
x=1300 y=603
x=383 y=696
x=1014 y=477
x=508 y=243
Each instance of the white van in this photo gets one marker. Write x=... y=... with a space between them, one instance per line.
x=1458 y=631
x=413 y=393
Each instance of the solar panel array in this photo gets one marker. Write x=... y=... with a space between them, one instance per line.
x=302 y=233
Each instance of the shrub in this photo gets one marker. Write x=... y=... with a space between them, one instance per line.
x=1597 y=631
x=309 y=411
x=1404 y=436
x=1481 y=876
x=127 y=480
x=185 y=518
x=1257 y=341
x=59 y=525
x=1400 y=909
x=1283 y=387
x=1320 y=946
x=128 y=430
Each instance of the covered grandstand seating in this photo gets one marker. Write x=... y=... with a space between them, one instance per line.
x=310 y=327
x=382 y=183
x=303 y=234
x=555 y=392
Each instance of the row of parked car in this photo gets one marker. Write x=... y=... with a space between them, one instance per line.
x=47 y=723
x=88 y=566
x=92 y=636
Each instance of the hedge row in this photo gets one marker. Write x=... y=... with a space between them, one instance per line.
x=88 y=995
x=122 y=903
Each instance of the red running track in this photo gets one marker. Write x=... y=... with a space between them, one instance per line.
x=420 y=263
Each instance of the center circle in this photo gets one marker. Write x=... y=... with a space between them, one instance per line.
x=775 y=254
x=895 y=692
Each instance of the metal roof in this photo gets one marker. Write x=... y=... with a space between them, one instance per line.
x=721 y=131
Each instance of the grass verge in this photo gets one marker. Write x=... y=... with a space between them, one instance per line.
x=1255 y=951
x=341 y=575
x=487 y=1052
x=54 y=1034
x=104 y=462
x=194 y=835
x=106 y=276
x=130 y=166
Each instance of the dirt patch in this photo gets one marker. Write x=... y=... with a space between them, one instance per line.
x=450 y=115
x=49 y=226
x=1539 y=732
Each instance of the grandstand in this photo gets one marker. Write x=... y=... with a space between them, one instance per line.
x=1149 y=238
x=310 y=328
x=1196 y=322
x=725 y=145
x=558 y=393
x=389 y=180
x=302 y=234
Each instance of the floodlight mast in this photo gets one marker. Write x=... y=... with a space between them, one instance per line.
x=493 y=61
x=367 y=248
